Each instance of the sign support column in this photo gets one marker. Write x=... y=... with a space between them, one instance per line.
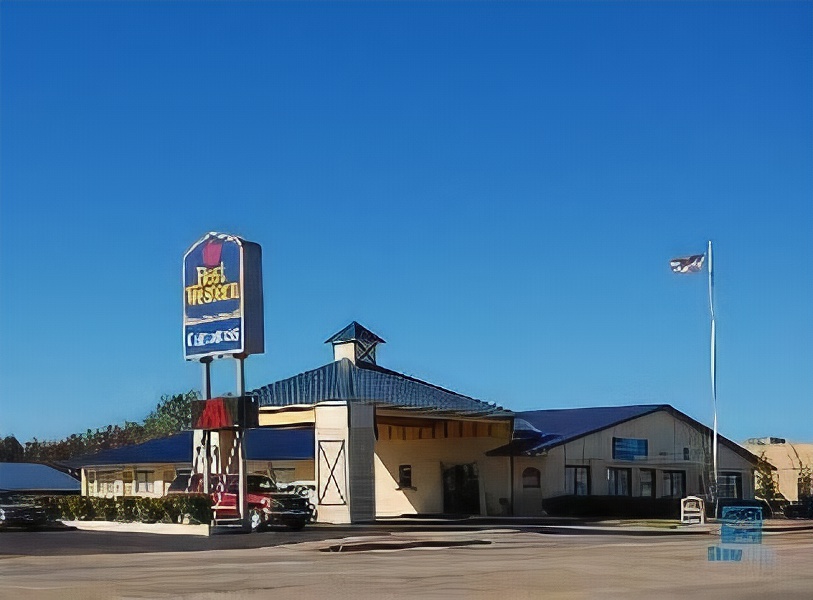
x=206 y=362
x=241 y=455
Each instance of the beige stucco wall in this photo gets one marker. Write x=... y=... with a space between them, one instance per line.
x=427 y=458
x=667 y=437
x=788 y=458
x=289 y=415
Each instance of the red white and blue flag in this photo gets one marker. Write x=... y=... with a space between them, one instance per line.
x=688 y=264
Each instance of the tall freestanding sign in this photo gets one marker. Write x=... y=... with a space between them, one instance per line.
x=223 y=317
x=223 y=298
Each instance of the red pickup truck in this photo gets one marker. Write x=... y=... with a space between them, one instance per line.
x=267 y=505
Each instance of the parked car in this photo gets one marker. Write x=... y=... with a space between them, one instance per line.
x=20 y=511
x=800 y=510
x=267 y=504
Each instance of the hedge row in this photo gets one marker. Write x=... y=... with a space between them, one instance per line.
x=189 y=508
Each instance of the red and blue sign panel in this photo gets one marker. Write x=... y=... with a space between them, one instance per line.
x=223 y=298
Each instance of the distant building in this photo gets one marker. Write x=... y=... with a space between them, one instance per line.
x=633 y=452
x=793 y=463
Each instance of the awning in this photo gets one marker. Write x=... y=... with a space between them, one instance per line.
x=272 y=443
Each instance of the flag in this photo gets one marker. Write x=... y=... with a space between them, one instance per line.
x=688 y=264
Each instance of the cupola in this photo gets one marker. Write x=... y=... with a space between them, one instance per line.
x=356 y=343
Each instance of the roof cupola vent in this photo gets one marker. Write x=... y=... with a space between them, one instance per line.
x=356 y=343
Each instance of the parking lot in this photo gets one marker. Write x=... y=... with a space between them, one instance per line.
x=476 y=564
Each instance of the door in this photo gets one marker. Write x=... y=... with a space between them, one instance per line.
x=461 y=490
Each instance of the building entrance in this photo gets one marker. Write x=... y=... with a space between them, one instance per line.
x=461 y=490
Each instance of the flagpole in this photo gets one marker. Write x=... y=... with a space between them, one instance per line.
x=713 y=365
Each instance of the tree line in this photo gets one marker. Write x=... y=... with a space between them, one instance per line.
x=171 y=415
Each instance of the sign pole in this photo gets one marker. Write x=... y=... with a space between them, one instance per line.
x=241 y=457
x=207 y=446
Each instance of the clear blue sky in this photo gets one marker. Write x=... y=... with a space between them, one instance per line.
x=494 y=188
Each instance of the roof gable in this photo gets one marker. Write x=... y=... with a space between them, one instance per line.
x=572 y=423
x=553 y=428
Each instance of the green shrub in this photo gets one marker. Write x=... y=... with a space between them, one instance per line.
x=105 y=509
x=192 y=508
x=196 y=507
x=126 y=510
x=79 y=508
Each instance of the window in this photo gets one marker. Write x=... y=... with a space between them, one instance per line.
x=685 y=453
x=629 y=448
x=647 y=483
x=405 y=477
x=674 y=484
x=619 y=482
x=531 y=478
x=729 y=485
x=105 y=482
x=577 y=481
x=144 y=482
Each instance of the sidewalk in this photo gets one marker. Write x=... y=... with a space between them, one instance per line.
x=547 y=525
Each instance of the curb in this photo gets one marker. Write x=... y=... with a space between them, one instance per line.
x=156 y=528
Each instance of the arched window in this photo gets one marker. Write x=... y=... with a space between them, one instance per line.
x=530 y=478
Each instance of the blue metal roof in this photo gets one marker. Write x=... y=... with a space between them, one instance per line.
x=366 y=383
x=570 y=423
x=536 y=431
x=261 y=444
x=31 y=477
x=174 y=449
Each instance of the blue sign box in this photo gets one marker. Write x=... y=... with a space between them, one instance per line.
x=741 y=525
x=223 y=298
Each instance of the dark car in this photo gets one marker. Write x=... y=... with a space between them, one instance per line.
x=20 y=511
x=267 y=504
x=800 y=510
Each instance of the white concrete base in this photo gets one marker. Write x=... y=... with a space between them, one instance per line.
x=161 y=528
